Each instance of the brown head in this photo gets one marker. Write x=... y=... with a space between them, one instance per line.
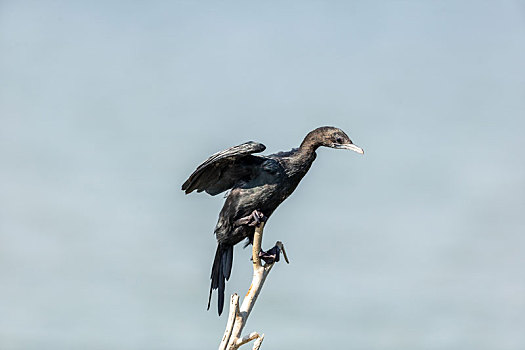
x=328 y=136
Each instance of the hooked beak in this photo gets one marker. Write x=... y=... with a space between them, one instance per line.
x=351 y=147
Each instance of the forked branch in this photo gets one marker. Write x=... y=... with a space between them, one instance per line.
x=238 y=316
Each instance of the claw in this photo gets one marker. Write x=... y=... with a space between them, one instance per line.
x=280 y=245
x=254 y=219
x=273 y=255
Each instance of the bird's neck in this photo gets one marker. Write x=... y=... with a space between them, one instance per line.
x=306 y=152
x=300 y=161
x=310 y=143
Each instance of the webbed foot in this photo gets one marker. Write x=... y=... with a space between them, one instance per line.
x=254 y=219
x=273 y=255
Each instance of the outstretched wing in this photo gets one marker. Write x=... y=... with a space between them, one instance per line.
x=224 y=169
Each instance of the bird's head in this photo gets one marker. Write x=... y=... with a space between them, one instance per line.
x=329 y=136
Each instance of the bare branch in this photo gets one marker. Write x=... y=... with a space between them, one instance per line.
x=234 y=311
x=258 y=342
x=281 y=247
x=247 y=338
x=257 y=243
x=238 y=317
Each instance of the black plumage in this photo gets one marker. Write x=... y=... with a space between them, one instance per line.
x=256 y=183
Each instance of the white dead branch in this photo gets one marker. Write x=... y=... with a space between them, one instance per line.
x=238 y=316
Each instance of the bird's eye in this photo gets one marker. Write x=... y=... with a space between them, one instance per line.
x=339 y=140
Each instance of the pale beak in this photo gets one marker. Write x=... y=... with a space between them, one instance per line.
x=351 y=147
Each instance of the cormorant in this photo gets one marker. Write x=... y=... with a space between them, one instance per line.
x=257 y=184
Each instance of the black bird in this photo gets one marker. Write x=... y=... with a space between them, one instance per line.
x=257 y=184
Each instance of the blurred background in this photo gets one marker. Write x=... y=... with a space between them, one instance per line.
x=107 y=106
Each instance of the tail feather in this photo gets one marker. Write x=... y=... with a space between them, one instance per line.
x=227 y=262
x=214 y=274
x=220 y=273
x=220 y=292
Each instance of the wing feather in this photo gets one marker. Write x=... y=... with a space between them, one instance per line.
x=222 y=170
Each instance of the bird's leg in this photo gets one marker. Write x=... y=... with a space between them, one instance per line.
x=273 y=255
x=254 y=219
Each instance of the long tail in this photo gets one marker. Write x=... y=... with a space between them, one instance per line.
x=220 y=272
